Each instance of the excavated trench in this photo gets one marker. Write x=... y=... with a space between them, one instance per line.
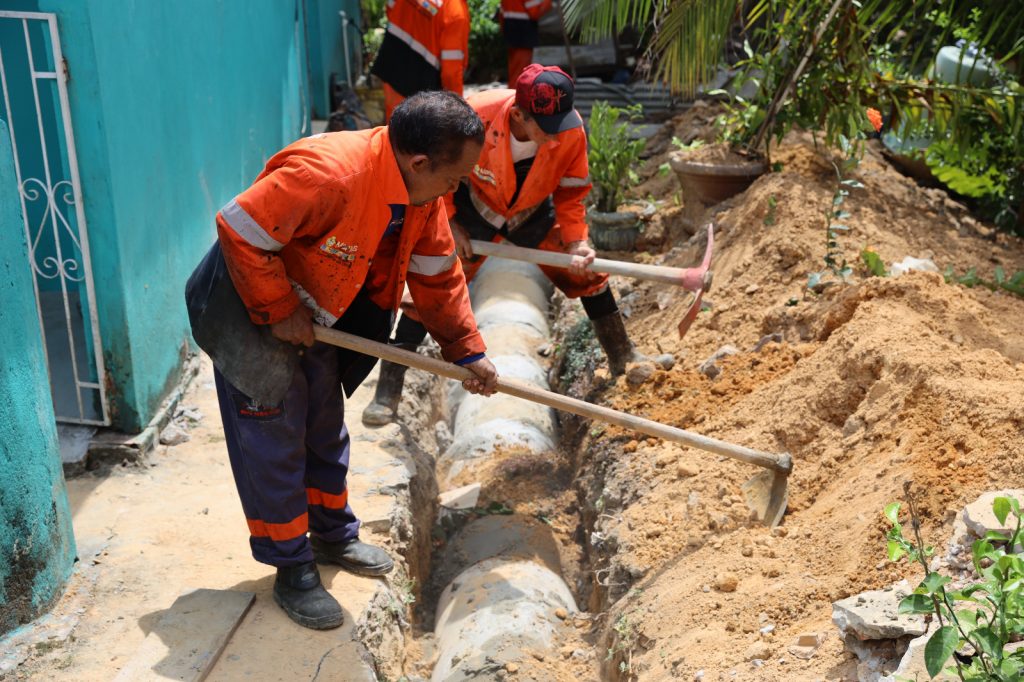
x=507 y=568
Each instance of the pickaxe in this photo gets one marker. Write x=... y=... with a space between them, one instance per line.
x=697 y=280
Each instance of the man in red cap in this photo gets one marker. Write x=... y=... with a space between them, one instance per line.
x=528 y=187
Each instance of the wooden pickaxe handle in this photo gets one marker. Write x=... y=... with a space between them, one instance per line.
x=688 y=278
x=781 y=463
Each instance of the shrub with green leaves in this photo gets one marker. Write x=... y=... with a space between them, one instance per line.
x=976 y=622
x=613 y=154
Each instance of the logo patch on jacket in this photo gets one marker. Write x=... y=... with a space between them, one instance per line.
x=484 y=175
x=250 y=409
x=431 y=7
x=339 y=250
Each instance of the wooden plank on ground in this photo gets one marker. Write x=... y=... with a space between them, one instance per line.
x=189 y=637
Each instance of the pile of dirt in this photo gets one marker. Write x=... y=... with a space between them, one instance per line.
x=866 y=384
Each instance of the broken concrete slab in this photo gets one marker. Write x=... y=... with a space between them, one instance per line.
x=912 y=665
x=875 y=614
x=978 y=516
x=465 y=497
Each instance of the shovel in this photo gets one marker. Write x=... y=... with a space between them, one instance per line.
x=697 y=280
x=766 y=494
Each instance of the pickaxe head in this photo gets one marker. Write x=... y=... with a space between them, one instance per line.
x=697 y=280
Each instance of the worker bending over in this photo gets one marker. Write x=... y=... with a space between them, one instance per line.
x=330 y=233
x=527 y=187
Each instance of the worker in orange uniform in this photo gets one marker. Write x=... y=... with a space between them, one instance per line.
x=520 y=21
x=426 y=47
x=330 y=233
x=528 y=187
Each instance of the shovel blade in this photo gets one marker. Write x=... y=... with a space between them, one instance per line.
x=766 y=495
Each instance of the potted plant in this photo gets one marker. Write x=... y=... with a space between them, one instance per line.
x=613 y=156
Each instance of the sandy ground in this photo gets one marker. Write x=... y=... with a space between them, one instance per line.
x=148 y=534
x=868 y=384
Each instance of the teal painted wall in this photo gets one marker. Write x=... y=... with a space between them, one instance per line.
x=327 y=48
x=175 y=106
x=37 y=549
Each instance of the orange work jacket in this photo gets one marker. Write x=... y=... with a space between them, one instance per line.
x=309 y=227
x=559 y=170
x=426 y=46
x=525 y=9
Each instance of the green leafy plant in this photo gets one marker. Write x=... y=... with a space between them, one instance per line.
x=872 y=262
x=976 y=622
x=487 y=58
x=835 y=260
x=1013 y=283
x=613 y=154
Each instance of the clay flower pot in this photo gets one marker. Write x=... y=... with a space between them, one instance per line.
x=618 y=231
x=712 y=182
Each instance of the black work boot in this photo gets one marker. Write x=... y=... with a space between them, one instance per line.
x=611 y=334
x=409 y=334
x=354 y=556
x=299 y=592
x=384 y=407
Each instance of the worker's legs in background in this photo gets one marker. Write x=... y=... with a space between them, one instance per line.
x=391 y=100
x=409 y=334
x=598 y=303
x=518 y=59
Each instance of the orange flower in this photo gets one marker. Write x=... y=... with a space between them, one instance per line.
x=875 y=117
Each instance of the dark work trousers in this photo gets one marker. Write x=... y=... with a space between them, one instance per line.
x=290 y=460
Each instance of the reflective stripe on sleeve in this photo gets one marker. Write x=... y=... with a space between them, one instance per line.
x=247 y=228
x=452 y=54
x=516 y=15
x=574 y=182
x=431 y=265
x=530 y=4
x=417 y=46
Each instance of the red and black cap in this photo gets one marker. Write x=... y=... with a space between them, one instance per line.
x=546 y=92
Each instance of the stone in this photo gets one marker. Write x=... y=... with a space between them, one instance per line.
x=806 y=644
x=758 y=650
x=765 y=340
x=912 y=665
x=752 y=289
x=174 y=434
x=686 y=470
x=709 y=368
x=443 y=436
x=978 y=516
x=665 y=458
x=665 y=361
x=561 y=613
x=875 y=614
x=465 y=497
x=638 y=374
x=726 y=582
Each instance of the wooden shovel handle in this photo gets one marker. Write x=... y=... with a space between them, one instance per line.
x=781 y=463
x=653 y=273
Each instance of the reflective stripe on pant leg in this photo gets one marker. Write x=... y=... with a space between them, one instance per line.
x=268 y=462
x=327 y=446
x=571 y=285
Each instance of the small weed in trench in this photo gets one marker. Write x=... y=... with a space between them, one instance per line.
x=581 y=352
x=1014 y=283
x=977 y=621
x=625 y=644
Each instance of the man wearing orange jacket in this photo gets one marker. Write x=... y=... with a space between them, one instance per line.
x=521 y=28
x=528 y=187
x=426 y=47
x=330 y=233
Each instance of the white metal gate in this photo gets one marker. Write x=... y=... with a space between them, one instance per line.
x=35 y=108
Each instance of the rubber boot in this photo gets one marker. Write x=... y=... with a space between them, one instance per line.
x=355 y=556
x=299 y=592
x=610 y=331
x=384 y=407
